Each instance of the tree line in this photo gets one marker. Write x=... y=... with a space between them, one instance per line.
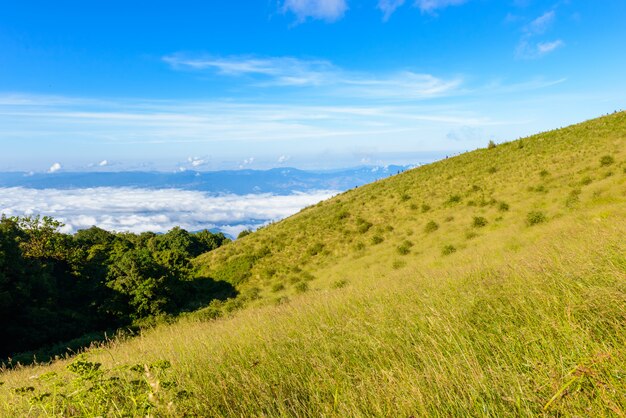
x=56 y=287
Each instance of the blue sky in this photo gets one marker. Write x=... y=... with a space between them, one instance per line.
x=203 y=85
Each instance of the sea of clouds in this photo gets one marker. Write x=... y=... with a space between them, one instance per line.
x=139 y=210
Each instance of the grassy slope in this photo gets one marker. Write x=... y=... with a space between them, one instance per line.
x=519 y=320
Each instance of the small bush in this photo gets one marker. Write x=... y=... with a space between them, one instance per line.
x=606 y=160
x=479 y=222
x=470 y=234
x=301 y=287
x=377 y=239
x=449 y=218
x=359 y=246
x=431 y=226
x=543 y=173
x=340 y=284
x=586 y=181
x=455 y=198
x=362 y=226
x=535 y=217
x=404 y=248
x=448 y=249
x=404 y=197
x=413 y=206
x=492 y=170
x=491 y=145
x=398 y=264
x=425 y=208
x=503 y=207
x=277 y=287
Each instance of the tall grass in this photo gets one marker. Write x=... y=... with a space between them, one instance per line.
x=518 y=321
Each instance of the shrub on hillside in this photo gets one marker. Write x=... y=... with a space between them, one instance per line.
x=455 y=198
x=377 y=239
x=606 y=160
x=503 y=207
x=448 y=249
x=362 y=226
x=431 y=226
x=404 y=248
x=491 y=145
x=479 y=222
x=535 y=217
x=425 y=208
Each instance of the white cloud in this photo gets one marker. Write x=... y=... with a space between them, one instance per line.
x=103 y=163
x=388 y=7
x=283 y=159
x=431 y=6
x=54 y=168
x=246 y=162
x=294 y=72
x=196 y=161
x=280 y=71
x=138 y=210
x=541 y=24
x=529 y=47
x=547 y=47
x=328 y=10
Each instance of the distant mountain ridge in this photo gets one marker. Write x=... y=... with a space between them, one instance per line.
x=279 y=181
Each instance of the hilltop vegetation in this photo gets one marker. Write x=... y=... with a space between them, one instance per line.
x=489 y=284
x=56 y=287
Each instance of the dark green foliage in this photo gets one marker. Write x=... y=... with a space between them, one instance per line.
x=535 y=217
x=244 y=233
x=431 y=226
x=448 y=249
x=425 y=208
x=301 y=287
x=455 y=198
x=277 y=287
x=543 y=173
x=404 y=197
x=377 y=239
x=586 y=181
x=492 y=170
x=479 y=222
x=503 y=207
x=491 y=145
x=56 y=287
x=606 y=160
x=404 y=248
x=362 y=226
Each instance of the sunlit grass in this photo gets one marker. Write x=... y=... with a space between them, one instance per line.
x=360 y=307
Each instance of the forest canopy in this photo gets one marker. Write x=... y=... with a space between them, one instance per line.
x=56 y=287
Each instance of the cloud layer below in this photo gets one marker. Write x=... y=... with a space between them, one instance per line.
x=138 y=210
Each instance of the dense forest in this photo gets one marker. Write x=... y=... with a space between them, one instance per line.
x=57 y=287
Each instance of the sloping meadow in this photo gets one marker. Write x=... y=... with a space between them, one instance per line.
x=489 y=284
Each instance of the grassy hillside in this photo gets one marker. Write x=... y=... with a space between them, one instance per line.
x=489 y=284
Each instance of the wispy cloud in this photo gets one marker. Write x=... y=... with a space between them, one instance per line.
x=388 y=7
x=539 y=25
x=138 y=210
x=547 y=47
x=275 y=71
x=294 y=72
x=529 y=47
x=327 y=10
x=430 y=6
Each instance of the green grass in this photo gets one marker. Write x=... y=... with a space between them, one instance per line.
x=357 y=307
